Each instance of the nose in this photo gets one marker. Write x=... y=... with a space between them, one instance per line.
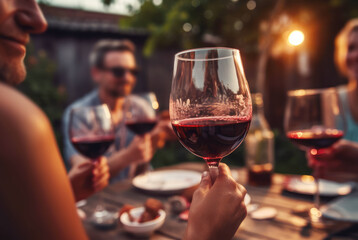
x=30 y=17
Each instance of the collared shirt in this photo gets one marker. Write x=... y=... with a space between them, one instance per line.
x=92 y=99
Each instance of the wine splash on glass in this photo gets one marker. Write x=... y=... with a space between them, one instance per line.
x=210 y=103
x=314 y=121
x=92 y=132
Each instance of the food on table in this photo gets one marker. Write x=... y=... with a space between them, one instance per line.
x=151 y=212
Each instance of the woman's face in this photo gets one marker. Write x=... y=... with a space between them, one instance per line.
x=352 y=55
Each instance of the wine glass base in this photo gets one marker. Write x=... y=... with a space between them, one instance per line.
x=314 y=217
x=104 y=219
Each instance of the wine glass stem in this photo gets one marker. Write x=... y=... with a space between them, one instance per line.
x=213 y=165
x=316 y=195
x=99 y=206
x=214 y=173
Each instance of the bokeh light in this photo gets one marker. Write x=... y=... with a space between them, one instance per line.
x=296 y=38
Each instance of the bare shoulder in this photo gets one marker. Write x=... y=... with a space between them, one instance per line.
x=21 y=120
x=32 y=169
x=16 y=108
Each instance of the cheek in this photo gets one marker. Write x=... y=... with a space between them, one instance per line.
x=350 y=60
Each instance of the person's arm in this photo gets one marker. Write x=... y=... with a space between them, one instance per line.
x=217 y=209
x=36 y=200
x=139 y=151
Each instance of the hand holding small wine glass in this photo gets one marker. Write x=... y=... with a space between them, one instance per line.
x=87 y=178
x=92 y=132
x=210 y=103
x=314 y=121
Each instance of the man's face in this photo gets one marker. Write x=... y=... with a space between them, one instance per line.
x=18 y=18
x=117 y=78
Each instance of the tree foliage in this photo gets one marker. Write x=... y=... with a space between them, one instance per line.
x=232 y=23
x=39 y=86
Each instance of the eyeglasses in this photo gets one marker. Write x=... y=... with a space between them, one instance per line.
x=121 y=71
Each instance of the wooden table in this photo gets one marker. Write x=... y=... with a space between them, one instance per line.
x=285 y=225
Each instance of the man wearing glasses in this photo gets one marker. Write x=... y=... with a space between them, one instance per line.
x=114 y=70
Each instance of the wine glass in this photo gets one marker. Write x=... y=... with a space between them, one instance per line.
x=314 y=121
x=141 y=118
x=91 y=133
x=210 y=103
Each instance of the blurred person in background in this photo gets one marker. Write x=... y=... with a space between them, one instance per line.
x=340 y=162
x=114 y=70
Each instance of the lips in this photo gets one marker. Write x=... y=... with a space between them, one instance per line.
x=22 y=40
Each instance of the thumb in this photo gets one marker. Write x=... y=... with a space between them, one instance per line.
x=205 y=183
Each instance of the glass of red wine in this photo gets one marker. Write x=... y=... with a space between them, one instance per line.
x=141 y=118
x=92 y=133
x=210 y=103
x=314 y=121
x=141 y=112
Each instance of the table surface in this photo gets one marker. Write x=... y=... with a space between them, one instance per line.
x=285 y=225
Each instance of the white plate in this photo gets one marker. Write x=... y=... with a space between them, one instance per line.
x=306 y=185
x=342 y=209
x=167 y=181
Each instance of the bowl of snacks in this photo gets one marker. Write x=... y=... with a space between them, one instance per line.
x=143 y=221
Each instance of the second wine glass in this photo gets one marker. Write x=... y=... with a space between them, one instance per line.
x=92 y=133
x=314 y=121
x=210 y=103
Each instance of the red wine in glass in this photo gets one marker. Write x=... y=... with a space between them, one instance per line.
x=211 y=138
x=314 y=120
x=141 y=127
x=210 y=103
x=92 y=147
x=315 y=139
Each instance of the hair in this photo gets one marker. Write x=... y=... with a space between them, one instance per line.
x=102 y=47
x=341 y=45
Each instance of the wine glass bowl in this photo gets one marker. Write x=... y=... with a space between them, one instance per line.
x=141 y=112
x=210 y=103
x=314 y=121
x=91 y=130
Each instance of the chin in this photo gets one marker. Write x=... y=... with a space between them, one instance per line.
x=13 y=73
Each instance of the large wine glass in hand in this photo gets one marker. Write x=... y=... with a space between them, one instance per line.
x=210 y=103
x=314 y=121
x=92 y=132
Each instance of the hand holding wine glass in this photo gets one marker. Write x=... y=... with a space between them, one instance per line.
x=87 y=178
x=221 y=221
x=92 y=132
x=314 y=121
x=210 y=103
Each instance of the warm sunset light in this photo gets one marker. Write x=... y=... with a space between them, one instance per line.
x=296 y=38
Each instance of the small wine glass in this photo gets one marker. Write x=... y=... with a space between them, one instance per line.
x=141 y=112
x=91 y=133
x=210 y=103
x=314 y=121
x=141 y=118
